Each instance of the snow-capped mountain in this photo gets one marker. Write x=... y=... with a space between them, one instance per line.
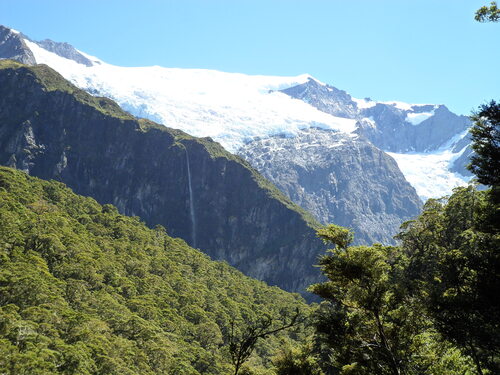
x=236 y=108
x=239 y=111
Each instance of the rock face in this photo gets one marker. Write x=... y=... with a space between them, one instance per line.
x=65 y=50
x=13 y=47
x=393 y=132
x=389 y=126
x=325 y=97
x=339 y=179
x=192 y=186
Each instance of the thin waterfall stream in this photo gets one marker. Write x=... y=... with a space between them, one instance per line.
x=191 y=203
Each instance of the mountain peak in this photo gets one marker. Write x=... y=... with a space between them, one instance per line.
x=324 y=97
x=65 y=50
x=12 y=46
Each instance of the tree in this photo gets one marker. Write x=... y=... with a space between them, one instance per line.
x=369 y=323
x=488 y=14
x=485 y=164
x=297 y=361
x=453 y=268
x=242 y=340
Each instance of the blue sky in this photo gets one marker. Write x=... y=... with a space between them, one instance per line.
x=419 y=51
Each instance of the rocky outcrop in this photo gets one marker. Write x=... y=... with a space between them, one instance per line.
x=393 y=132
x=12 y=46
x=192 y=186
x=65 y=50
x=339 y=179
x=324 y=97
x=389 y=126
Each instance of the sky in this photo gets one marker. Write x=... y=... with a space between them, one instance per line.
x=418 y=51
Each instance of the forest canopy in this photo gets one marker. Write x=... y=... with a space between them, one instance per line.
x=85 y=290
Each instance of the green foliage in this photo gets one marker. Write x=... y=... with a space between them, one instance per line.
x=339 y=236
x=84 y=290
x=488 y=14
x=454 y=269
x=485 y=132
x=369 y=322
x=297 y=361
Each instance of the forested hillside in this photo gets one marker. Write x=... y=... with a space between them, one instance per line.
x=85 y=290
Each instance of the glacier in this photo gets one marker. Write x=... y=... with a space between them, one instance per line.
x=231 y=108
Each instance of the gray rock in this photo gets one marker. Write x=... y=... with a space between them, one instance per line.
x=385 y=125
x=394 y=133
x=460 y=164
x=339 y=179
x=65 y=50
x=13 y=47
x=326 y=98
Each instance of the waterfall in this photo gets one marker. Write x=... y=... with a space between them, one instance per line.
x=191 y=203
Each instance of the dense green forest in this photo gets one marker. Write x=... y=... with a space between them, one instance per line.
x=85 y=290
x=428 y=306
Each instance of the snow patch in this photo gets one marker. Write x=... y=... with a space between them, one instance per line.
x=417 y=118
x=371 y=122
x=363 y=103
x=429 y=173
x=400 y=105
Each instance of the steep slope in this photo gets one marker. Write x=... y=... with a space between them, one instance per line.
x=339 y=179
x=197 y=190
x=85 y=290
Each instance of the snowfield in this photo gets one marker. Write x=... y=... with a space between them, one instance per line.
x=417 y=118
x=428 y=173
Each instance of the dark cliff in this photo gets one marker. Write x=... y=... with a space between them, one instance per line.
x=193 y=187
